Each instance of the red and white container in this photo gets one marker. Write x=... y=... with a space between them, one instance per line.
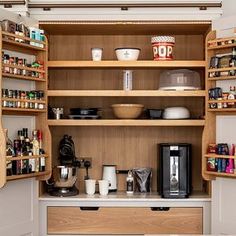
x=162 y=47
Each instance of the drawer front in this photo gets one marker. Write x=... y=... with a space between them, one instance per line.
x=73 y=220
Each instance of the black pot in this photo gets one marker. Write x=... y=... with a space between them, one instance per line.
x=154 y=113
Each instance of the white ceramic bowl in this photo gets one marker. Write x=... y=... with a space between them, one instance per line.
x=127 y=54
x=175 y=113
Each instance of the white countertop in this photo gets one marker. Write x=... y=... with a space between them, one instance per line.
x=123 y=197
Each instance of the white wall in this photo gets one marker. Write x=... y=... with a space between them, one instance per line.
x=224 y=189
x=133 y=13
x=229 y=7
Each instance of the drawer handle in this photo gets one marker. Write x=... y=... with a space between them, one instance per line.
x=160 y=208
x=89 y=208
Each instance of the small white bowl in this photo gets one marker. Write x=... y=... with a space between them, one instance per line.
x=127 y=54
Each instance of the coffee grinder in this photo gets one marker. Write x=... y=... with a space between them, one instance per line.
x=64 y=176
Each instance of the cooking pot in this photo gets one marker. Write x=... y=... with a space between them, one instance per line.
x=176 y=113
x=64 y=176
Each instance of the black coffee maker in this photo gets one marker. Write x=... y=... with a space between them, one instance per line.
x=65 y=175
x=175 y=170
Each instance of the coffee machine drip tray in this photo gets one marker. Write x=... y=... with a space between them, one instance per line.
x=64 y=192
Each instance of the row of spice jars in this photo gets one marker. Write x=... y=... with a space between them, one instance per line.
x=16 y=61
x=218 y=94
x=36 y=95
x=221 y=43
x=24 y=31
x=225 y=61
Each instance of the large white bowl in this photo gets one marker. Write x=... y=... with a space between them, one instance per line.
x=127 y=54
x=173 y=113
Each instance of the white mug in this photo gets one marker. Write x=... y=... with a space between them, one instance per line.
x=90 y=186
x=103 y=187
x=97 y=54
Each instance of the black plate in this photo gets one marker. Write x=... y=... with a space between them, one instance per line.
x=84 y=111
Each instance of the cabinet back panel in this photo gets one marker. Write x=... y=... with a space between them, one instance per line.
x=78 y=47
x=96 y=79
x=128 y=147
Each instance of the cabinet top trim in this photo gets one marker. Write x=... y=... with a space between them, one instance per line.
x=125 y=27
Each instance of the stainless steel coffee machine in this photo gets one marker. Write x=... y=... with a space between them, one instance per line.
x=175 y=170
x=64 y=176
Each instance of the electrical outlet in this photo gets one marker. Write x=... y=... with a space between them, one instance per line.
x=82 y=160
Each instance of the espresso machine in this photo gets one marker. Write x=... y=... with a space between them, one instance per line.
x=175 y=170
x=64 y=176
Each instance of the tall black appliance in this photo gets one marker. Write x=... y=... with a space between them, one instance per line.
x=175 y=170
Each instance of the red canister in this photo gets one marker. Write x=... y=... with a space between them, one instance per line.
x=163 y=47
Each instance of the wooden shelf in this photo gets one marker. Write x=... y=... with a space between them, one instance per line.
x=221 y=40
x=23 y=100
x=9 y=158
x=24 y=176
x=126 y=64
x=21 y=77
x=23 y=68
x=17 y=111
x=219 y=174
x=222 y=101
x=222 y=78
x=120 y=122
x=219 y=156
x=223 y=110
x=222 y=46
x=122 y=93
x=6 y=42
x=221 y=69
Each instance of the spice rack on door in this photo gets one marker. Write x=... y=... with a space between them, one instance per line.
x=216 y=46
x=7 y=42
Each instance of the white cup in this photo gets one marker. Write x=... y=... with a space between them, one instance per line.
x=97 y=54
x=103 y=187
x=90 y=186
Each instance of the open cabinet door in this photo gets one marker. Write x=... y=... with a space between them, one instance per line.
x=224 y=189
x=19 y=198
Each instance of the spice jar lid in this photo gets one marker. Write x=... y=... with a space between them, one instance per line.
x=163 y=39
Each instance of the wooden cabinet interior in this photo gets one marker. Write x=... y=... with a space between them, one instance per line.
x=127 y=147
